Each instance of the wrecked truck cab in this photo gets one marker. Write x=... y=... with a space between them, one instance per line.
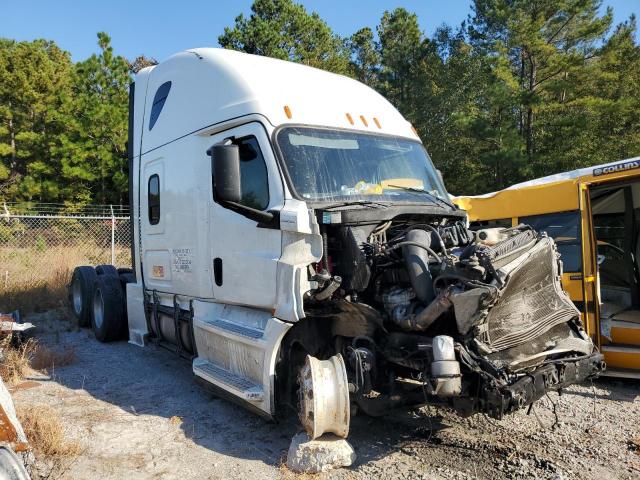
x=445 y=317
x=294 y=242
x=421 y=308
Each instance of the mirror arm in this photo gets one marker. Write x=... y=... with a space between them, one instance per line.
x=266 y=218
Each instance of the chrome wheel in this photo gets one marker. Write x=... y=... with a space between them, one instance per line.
x=98 y=309
x=76 y=293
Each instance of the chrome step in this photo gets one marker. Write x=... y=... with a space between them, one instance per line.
x=236 y=328
x=238 y=385
x=236 y=331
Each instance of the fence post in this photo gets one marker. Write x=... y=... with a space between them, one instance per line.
x=113 y=237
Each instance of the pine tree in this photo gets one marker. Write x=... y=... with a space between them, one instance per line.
x=285 y=30
x=544 y=45
x=365 y=57
x=93 y=148
x=34 y=78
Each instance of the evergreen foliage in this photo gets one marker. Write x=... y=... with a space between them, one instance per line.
x=522 y=88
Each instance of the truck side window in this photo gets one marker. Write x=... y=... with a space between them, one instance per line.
x=154 y=199
x=158 y=103
x=253 y=174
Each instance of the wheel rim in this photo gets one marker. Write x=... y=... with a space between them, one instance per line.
x=76 y=291
x=324 y=397
x=98 y=309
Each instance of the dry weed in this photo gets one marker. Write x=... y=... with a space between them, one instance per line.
x=15 y=363
x=175 y=421
x=22 y=359
x=32 y=280
x=45 y=359
x=45 y=433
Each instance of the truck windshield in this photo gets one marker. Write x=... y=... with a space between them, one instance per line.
x=331 y=165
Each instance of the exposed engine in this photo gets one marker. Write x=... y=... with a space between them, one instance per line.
x=432 y=312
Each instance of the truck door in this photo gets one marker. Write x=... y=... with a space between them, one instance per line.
x=591 y=311
x=244 y=254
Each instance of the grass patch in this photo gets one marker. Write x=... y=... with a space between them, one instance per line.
x=20 y=360
x=44 y=431
x=35 y=279
x=16 y=359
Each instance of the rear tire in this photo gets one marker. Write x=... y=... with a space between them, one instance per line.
x=81 y=294
x=127 y=278
x=107 y=312
x=106 y=270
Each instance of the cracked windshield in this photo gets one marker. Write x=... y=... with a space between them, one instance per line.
x=329 y=165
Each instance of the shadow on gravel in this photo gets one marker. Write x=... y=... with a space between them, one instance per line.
x=378 y=437
x=619 y=389
x=153 y=381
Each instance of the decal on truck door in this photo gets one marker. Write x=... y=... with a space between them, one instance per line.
x=158 y=271
x=181 y=260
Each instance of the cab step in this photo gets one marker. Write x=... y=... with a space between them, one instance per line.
x=621 y=356
x=239 y=386
x=231 y=330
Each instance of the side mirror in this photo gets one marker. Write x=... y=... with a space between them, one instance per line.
x=225 y=165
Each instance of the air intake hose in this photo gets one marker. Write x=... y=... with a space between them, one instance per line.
x=417 y=262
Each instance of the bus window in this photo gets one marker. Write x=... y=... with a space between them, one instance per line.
x=564 y=228
x=499 y=223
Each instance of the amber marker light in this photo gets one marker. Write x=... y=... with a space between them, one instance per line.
x=287 y=111
x=364 y=120
x=350 y=118
x=375 y=120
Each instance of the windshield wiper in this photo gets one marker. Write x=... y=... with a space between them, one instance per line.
x=366 y=203
x=423 y=191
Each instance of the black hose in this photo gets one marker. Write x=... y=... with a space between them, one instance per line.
x=430 y=227
x=325 y=250
x=465 y=280
x=416 y=244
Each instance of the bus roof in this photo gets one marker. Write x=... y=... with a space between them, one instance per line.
x=553 y=193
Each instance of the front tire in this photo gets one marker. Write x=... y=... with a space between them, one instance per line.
x=107 y=312
x=81 y=294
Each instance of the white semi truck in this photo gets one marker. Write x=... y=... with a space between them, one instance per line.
x=294 y=242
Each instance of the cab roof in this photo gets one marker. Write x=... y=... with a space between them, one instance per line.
x=213 y=85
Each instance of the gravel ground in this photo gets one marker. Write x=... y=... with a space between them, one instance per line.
x=139 y=413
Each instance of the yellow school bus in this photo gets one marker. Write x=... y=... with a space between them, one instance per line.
x=594 y=216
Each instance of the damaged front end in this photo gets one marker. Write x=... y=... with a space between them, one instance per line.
x=426 y=311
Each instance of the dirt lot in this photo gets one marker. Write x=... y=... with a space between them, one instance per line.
x=139 y=413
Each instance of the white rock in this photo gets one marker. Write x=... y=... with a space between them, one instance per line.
x=319 y=455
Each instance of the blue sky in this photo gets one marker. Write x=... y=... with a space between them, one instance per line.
x=160 y=28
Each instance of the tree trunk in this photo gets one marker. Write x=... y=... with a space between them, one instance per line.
x=12 y=142
x=522 y=74
x=529 y=131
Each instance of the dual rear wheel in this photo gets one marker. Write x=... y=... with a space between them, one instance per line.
x=98 y=299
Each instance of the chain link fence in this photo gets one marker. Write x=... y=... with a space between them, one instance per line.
x=102 y=233
x=40 y=244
